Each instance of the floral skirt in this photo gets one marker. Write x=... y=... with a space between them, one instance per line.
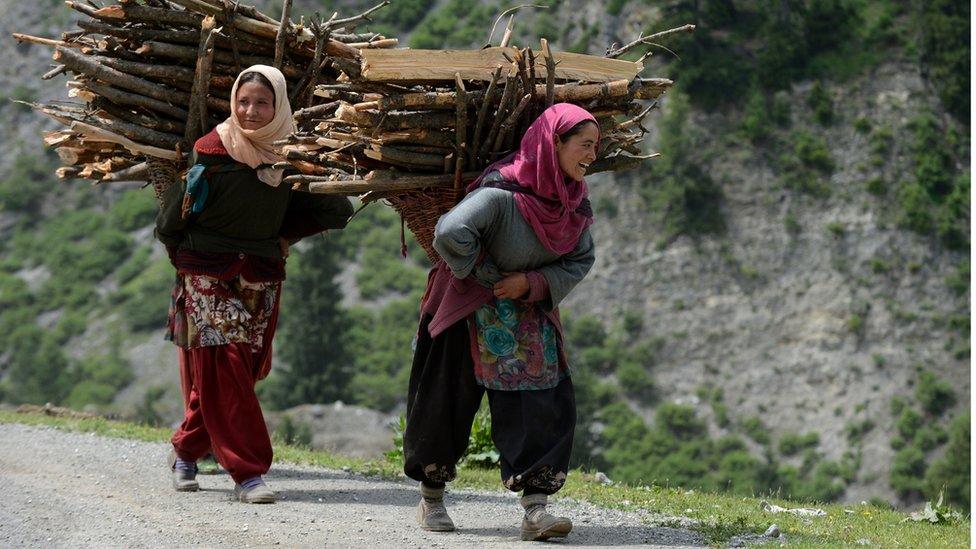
x=206 y=311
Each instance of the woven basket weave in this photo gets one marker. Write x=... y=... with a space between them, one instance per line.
x=162 y=174
x=421 y=209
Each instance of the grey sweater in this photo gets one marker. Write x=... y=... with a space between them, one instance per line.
x=489 y=218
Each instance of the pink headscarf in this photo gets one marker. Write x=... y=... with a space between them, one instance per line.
x=550 y=206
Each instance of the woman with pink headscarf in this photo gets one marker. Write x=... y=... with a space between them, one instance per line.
x=227 y=231
x=511 y=250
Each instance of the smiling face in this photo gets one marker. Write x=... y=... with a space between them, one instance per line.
x=254 y=105
x=578 y=151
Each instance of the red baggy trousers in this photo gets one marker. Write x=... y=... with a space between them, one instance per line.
x=222 y=411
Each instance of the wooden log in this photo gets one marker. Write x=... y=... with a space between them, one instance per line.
x=550 y=73
x=139 y=134
x=127 y=98
x=61 y=138
x=20 y=37
x=618 y=163
x=378 y=183
x=159 y=124
x=310 y=168
x=164 y=72
x=92 y=133
x=86 y=65
x=461 y=125
x=60 y=69
x=189 y=53
x=509 y=125
x=394 y=155
x=394 y=120
x=440 y=65
x=74 y=156
x=67 y=172
x=353 y=38
x=279 y=50
x=137 y=172
x=384 y=43
x=651 y=88
x=142 y=34
x=135 y=13
x=496 y=123
x=187 y=37
x=318 y=111
x=645 y=40
x=267 y=29
x=196 y=123
x=488 y=100
x=415 y=136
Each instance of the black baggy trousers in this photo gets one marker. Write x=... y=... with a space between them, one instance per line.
x=533 y=430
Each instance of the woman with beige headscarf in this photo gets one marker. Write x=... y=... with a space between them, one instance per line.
x=227 y=231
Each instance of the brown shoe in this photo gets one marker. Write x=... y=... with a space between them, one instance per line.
x=538 y=524
x=431 y=513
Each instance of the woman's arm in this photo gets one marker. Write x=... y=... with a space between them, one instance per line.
x=460 y=232
x=310 y=214
x=562 y=275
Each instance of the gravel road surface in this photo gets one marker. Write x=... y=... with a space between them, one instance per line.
x=64 y=489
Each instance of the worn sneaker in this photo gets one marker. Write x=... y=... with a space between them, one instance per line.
x=538 y=524
x=184 y=474
x=431 y=513
x=254 y=490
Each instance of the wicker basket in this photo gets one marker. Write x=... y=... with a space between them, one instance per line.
x=162 y=174
x=421 y=209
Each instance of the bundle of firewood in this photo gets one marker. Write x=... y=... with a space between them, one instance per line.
x=413 y=126
x=411 y=119
x=154 y=75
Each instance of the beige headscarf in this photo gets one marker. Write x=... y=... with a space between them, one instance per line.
x=254 y=147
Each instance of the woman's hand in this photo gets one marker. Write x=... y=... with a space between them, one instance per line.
x=513 y=286
x=283 y=244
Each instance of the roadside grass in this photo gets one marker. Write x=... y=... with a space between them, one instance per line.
x=718 y=517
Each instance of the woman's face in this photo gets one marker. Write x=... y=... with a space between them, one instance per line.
x=254 y=105
x=577 y=152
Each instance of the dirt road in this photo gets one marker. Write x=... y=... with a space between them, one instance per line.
x=63 y=489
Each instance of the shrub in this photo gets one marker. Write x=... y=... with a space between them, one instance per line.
x=679 y=421
x=481 y=451
x=686 y=199
x=958 y=281
x=754 y=427
x=635 y=380
x=908 y=423
x=145 y=299
x=908 y=471
x=587 y=331
x=876 y=186
x=820 y=103
x=946 y=52
x=793 y=443
x=135 y=209
x=855 y=430
x=862 y=125
x=951 y=473
x=756 y=122
x=935 y=395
